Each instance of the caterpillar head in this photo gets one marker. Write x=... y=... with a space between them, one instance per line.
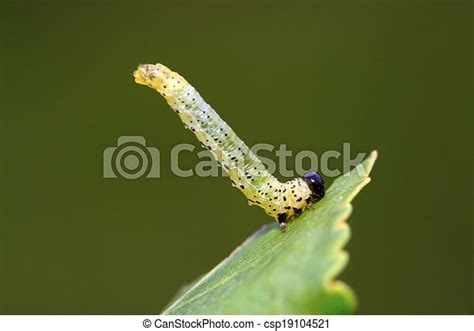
x=316 y=184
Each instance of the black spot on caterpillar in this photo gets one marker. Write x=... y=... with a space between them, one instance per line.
x=282 y=201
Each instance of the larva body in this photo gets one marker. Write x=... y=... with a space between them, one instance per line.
x=283 y=201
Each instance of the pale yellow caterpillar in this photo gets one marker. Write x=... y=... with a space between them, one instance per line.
x=283 y=201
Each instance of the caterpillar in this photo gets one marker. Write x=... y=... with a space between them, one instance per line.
x=282 y=201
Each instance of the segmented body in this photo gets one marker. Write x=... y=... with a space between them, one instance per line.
x=282 y=201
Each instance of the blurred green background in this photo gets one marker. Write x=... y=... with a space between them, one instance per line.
x=395 y=76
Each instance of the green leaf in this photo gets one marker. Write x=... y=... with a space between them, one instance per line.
x=285 y=273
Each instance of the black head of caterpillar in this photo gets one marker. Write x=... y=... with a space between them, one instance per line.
x=316 y=184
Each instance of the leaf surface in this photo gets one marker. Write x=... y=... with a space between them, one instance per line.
x=285 y=273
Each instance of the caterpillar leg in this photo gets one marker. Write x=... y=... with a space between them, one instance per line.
x=282 y=221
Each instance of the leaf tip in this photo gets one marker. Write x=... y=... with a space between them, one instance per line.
x=370 y=161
